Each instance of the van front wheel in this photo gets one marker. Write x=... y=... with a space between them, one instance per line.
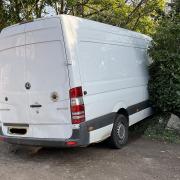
x=119 y=134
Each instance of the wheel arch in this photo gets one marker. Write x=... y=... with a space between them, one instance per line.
x=124 y=112
x=121 y=108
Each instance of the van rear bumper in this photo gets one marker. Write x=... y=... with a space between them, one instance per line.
x=80 y=137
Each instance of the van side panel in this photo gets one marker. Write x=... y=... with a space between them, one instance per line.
x=113 y=66
x=112 y=74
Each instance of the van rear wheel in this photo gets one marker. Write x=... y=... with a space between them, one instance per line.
x=119 y=134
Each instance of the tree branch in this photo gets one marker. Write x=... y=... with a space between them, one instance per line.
x=134 y=10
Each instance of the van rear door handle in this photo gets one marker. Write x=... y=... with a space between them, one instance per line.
x=35 y=106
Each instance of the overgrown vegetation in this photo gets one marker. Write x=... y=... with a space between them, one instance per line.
x=156 y=128
x=164 y=85
x=138 y=15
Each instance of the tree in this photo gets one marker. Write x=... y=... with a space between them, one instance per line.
x=15 y=11
x=138 y=15
x=164 y=84
x=3 y=15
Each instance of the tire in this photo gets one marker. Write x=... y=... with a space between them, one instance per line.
x=119 y=134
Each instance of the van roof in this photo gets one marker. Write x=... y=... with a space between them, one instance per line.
x=24 y=22
x=69 y=17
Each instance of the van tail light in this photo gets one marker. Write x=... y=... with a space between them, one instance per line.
x=77 y=105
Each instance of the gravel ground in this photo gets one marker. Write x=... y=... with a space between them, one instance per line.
x=141 y=159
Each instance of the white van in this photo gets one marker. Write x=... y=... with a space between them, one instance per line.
x=66 y=81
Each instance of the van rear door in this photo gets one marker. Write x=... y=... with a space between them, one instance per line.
x=13 y=99
x=34 y=78
x=47 y=73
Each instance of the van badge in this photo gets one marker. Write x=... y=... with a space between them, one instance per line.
x=27 y=85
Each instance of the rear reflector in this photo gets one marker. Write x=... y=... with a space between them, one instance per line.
x=77 y=105
x=71 y=143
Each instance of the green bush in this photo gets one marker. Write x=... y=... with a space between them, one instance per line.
x=155 y=128
x=164 y=84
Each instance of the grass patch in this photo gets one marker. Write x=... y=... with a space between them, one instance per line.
x=155 y=128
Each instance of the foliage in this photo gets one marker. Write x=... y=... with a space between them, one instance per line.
x=164 y=85
x=155 y=128
x=15 y=11
x=138 y=15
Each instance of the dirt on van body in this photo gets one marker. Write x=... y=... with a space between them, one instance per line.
x=141 y=159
